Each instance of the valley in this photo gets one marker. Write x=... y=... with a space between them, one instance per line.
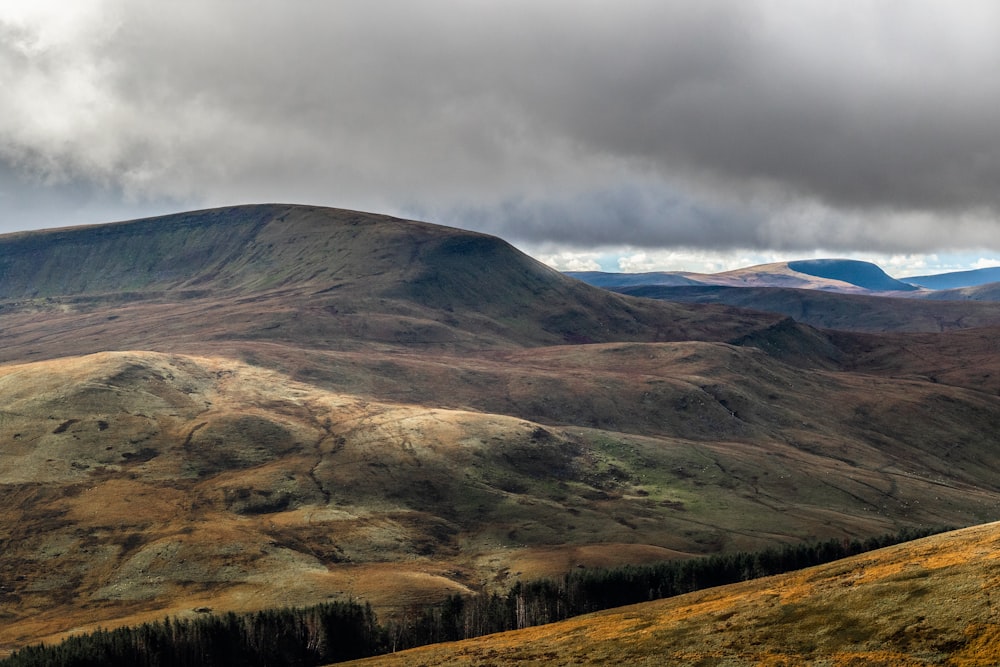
x=277 y=405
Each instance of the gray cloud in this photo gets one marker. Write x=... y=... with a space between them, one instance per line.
x=714 y=124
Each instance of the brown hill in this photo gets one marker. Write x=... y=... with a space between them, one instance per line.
x=928 y=602
x=832 y=310
x=274 y=405
x=984 y=292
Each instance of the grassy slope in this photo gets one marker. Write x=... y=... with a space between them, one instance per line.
x=355 y=275
x=922 y=603
x=417 y=431
x=140 y=484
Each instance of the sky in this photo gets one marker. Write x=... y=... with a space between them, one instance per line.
x=623 y=136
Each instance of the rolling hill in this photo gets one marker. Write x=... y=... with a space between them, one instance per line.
x=272 y=405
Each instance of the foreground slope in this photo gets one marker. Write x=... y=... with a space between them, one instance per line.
x=927 y=602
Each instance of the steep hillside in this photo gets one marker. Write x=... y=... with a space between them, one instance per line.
x=141 y=484
x=924 y=603
x=311 y=276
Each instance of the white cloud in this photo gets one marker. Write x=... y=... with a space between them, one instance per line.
x=986 y=262
x=568 y=260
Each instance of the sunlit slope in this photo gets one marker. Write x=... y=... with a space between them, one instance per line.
x=928 y=602
x=138 y=484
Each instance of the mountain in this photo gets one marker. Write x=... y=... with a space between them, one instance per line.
x=920 y=603
x=272 y=405
x=863 y=274
x=357 y=277
x=837 y=275
x=957 y=279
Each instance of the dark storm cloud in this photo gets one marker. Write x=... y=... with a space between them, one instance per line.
x=783 y=124
x=604 y=217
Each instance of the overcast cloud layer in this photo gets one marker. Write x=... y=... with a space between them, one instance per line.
x=781 y=125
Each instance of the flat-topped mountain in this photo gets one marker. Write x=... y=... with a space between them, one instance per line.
x=358 y=275
x=863 y=274
x=250 y=249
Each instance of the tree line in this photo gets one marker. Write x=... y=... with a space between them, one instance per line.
x=316 y=635
x=337 y=631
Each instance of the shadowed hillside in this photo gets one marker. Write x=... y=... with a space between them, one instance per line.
x=862 y=274
x=261 y=270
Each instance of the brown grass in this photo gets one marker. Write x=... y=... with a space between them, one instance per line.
x=923 y=603
x=361 y=406
x=141 y=484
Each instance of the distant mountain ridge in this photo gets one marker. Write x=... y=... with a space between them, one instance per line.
x=862 y=274
x=956 y=279
x=838 y=294
x=836 y=275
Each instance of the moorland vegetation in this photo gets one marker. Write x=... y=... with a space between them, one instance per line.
x=279 y=406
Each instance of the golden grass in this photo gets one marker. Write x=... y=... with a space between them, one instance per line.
x=922 y=603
